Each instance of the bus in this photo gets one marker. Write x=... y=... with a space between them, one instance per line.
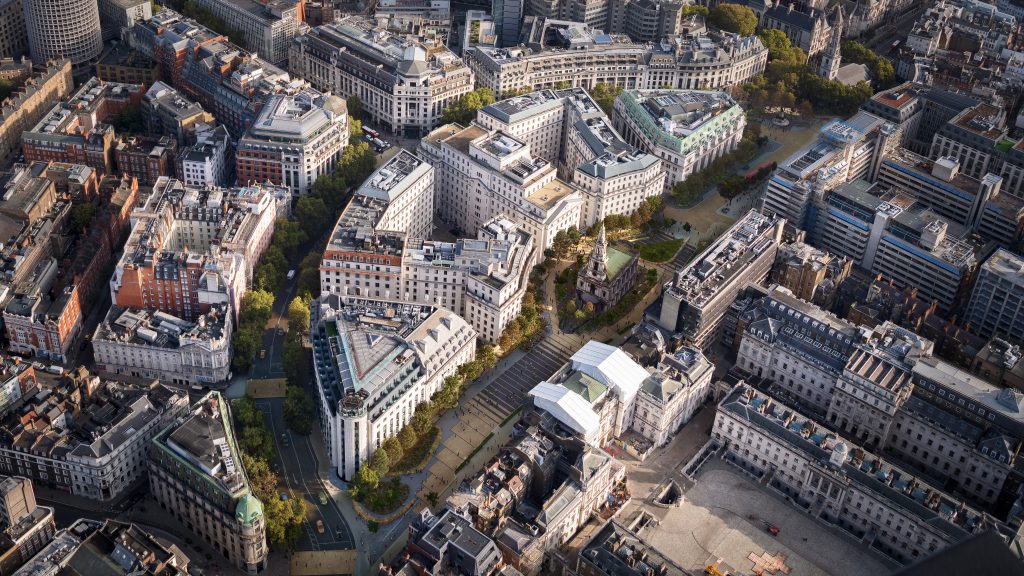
x=373 y=133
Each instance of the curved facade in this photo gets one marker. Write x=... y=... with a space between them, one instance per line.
x=63 y=28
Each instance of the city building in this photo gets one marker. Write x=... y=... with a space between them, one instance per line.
x=901 y=238
x=112 y=547
x=806 y=27
x=646 y=20
x=27 y=105
x=687 y=129
x=146 y=158
x=117 y=15
x=192 y=248
x=672 y=395
x=196 y=474
x=294 y=140
x=828 y=68
x=13 y=35
x=996 y=305
x=557 y=52
x=845 y=150
x=404 y=84
x=999 y=362
x=169 y=112
x=610 y=274
x=616 y=551
x=204 y=66
x=840 y=483
x=75 y=131
x=85 y=436
x=16 y=378
x=157 y=345
x=479 y=29
x=978 y=137
x=375 y=360
x=810 y=274
x=38 y=324
x=976 y=204
x=448 y=543
x=121 y=64
x=27 y=527
x=266 y=28
x=514 y=182
x=67 y=29
x=695 y=301
x=209 y=161
x=507 y=16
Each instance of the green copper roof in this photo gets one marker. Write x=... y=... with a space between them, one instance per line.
x=248 y=510
x=617 y=261
x=587 y=387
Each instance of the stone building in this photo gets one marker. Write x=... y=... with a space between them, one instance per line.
x=610 y=274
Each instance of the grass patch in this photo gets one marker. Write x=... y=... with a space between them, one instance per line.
x=511 y=416
x=387 y=497
x=416 y=458
x=659 y=251
x=478 y=448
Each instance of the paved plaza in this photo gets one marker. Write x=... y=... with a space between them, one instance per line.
x=722 y=519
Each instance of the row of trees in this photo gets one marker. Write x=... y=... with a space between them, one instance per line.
x=463 y=111
x=733 y=18
x=284 y=518
x=688 y=190
x=254 y=312
x=881 y=68
x=298 y=406
x=735 y=185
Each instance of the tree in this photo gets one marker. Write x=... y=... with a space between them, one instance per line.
x=560 y=244
x=367 y=478
x=262 y=479
x=604 y=94
x=393 y=446
x=312 y=214
x=432 y=498
x=245 y=344
x=246 y=413
x=570 y=307
x=694 y=10
x=463 y=110
x=422 y=419
x=355 y=106
x=298 y=411
x=687 y=227
x=407 y=436
x=733 y=18
x=298 y=315
x=288 y=236
x=257 y=442
x=355 y=129
x=81 y=216
x=806 y=109
x=588 y=308
x=511 y=337
x=487 y=356
x=380 y=462
x=256 y=308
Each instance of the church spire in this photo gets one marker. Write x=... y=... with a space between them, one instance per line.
x=830 y=60
x=598 y=265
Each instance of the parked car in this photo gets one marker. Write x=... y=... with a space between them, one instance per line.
x=39 y=366
x=54 y=369
x=283 y=496
x=290 y=275
x=320 y=526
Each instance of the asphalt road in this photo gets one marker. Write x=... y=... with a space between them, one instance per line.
x=298 y=470
x=273 y=341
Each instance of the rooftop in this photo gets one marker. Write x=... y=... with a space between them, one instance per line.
x=615 y=551
x=160 y=329
x=296 y=118
x=205 y=442
x=680 y=113
x=1007 y=265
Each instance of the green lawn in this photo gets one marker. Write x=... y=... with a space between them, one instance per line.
x=659 y=251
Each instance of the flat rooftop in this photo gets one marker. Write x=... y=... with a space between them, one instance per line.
x=550 y=194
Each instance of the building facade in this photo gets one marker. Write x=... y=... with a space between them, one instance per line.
x=996 y=306
x=50 y=83
x=610 y=274
x=196 y=473
x=267 y=28
x=67 y=29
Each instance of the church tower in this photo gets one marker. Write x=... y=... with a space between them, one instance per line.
x=829 y=68
x=597 y=268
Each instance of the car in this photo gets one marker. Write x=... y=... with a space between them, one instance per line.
x=323 y=498
x=290 y=275
x=54 y=369
x=39 y=366
x=370 y=132
x=283 y=496
x=320 y=526
x=263 y=353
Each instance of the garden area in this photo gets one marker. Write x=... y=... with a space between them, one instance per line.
x=661 y=251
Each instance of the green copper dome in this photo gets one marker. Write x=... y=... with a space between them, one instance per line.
x=248 y=510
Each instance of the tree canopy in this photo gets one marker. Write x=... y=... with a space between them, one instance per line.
x=604 y=94
x=463 y=110
x=733 y=18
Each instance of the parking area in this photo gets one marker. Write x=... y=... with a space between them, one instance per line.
x=725 y=518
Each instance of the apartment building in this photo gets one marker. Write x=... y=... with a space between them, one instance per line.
x=192 y=248
x=146 y=158
x=996 y=305
x=845 y=150
x=207 y=162
x=698 y=296
x=841 y=483
x=154 y=344
x=75 y=130
x=404 y=83
x=558 y=52
x=893 y=234
x=196 y=474
x=117 y=15
x=448 y=543
x=296 y=139
x=375 y=360
x=13 y=35
x=38 y=324
x=16 y=378
x=267 y=28
x=27 y=527
x=167 y=111
x=122 y=549
x=27 y=105
x=86 y=436
x=687 y=129
x=120 y=63
x=204 y=66
x=646 y=20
